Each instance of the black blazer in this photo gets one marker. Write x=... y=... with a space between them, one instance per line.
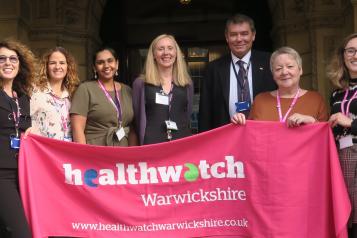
x=7 y=127
x=214 y=95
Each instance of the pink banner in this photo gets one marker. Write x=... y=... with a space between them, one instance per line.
x=261 y=180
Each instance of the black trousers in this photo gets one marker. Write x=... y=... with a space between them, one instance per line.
x=13 y=223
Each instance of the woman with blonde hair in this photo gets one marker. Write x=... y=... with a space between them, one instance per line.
x=162 y=95
x=17 y=75
x=342 y=72
x=51 y=98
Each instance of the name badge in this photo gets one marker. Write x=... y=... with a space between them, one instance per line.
x=14 y=142
x=67 y=138
x=242 y=106
x=120 y=133
x=161 y=99
x=345 y=141
x=171 y=125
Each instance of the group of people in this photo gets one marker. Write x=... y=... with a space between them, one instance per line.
x=48 y=99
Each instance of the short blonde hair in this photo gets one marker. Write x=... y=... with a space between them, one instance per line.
x=337 y=71
x=151 y=73
x=285 y=50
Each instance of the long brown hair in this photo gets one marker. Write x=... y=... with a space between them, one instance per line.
x=71 y=80
x=25 y=78
x=337 y=71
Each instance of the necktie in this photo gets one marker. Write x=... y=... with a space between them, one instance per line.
x=243 y=85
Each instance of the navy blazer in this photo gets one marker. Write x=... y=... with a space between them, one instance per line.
x=8 y=158
x=214 y=95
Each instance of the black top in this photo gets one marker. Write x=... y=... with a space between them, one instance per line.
x=8 y=158
x=335 y=103
x=157 y=114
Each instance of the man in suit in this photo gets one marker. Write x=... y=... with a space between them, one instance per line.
x=222 y=93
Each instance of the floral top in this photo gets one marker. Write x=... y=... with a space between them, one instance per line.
x=50 y=114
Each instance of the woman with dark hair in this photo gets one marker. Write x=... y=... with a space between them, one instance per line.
x=16 y=80
x=102 y=111
x=51 y=98
x=342 y=72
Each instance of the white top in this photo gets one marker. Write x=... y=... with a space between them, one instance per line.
x=233 y=87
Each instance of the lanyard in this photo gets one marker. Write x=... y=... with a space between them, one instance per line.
x=245 y=78
x=170 y=95
x=64 y=117
x=348 y=104
x=15 y=111
x=117 y=105
x=278 y=105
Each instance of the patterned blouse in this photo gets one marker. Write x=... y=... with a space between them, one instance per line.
x=50 y=114
x=335 y=103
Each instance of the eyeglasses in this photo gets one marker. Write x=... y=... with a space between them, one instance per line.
x=102 y=62
x=350 y=51
x=13 y=59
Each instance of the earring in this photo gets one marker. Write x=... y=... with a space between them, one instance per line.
x=116 y=73
x=95 y=75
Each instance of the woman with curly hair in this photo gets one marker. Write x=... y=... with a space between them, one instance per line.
x=342 y=72
x=51 y=98
x=162 y=96
x=16 y=79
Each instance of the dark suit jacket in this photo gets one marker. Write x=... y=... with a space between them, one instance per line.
x=7 y=127
x=214 y=95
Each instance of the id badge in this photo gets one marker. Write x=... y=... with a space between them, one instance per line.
x=171 y=125
x=14 y=142
x=120 y=133
x=161 y=99
x=242 y=106
x=67 y=138
x=345 y=141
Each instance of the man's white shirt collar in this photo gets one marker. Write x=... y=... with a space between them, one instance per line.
x=245 y=58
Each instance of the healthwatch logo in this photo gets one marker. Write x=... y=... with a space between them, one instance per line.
x=140 y=173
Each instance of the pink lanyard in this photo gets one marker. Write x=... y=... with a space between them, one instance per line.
x=16 y=115
x=64 y=119
x=116 y=106
x=281 y=118
x=348 y=104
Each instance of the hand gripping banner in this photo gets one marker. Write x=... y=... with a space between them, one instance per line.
x=262 y=180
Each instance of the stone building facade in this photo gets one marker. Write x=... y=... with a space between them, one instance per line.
x=313 y=27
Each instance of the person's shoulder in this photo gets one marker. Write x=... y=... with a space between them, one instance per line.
x=337 y=92
x=221 y=60
x=88 y=84
x=260 y=54
x=263 y=96
x=138 y=84
x=125 y=87
x=314 y=95
x=139 y=81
